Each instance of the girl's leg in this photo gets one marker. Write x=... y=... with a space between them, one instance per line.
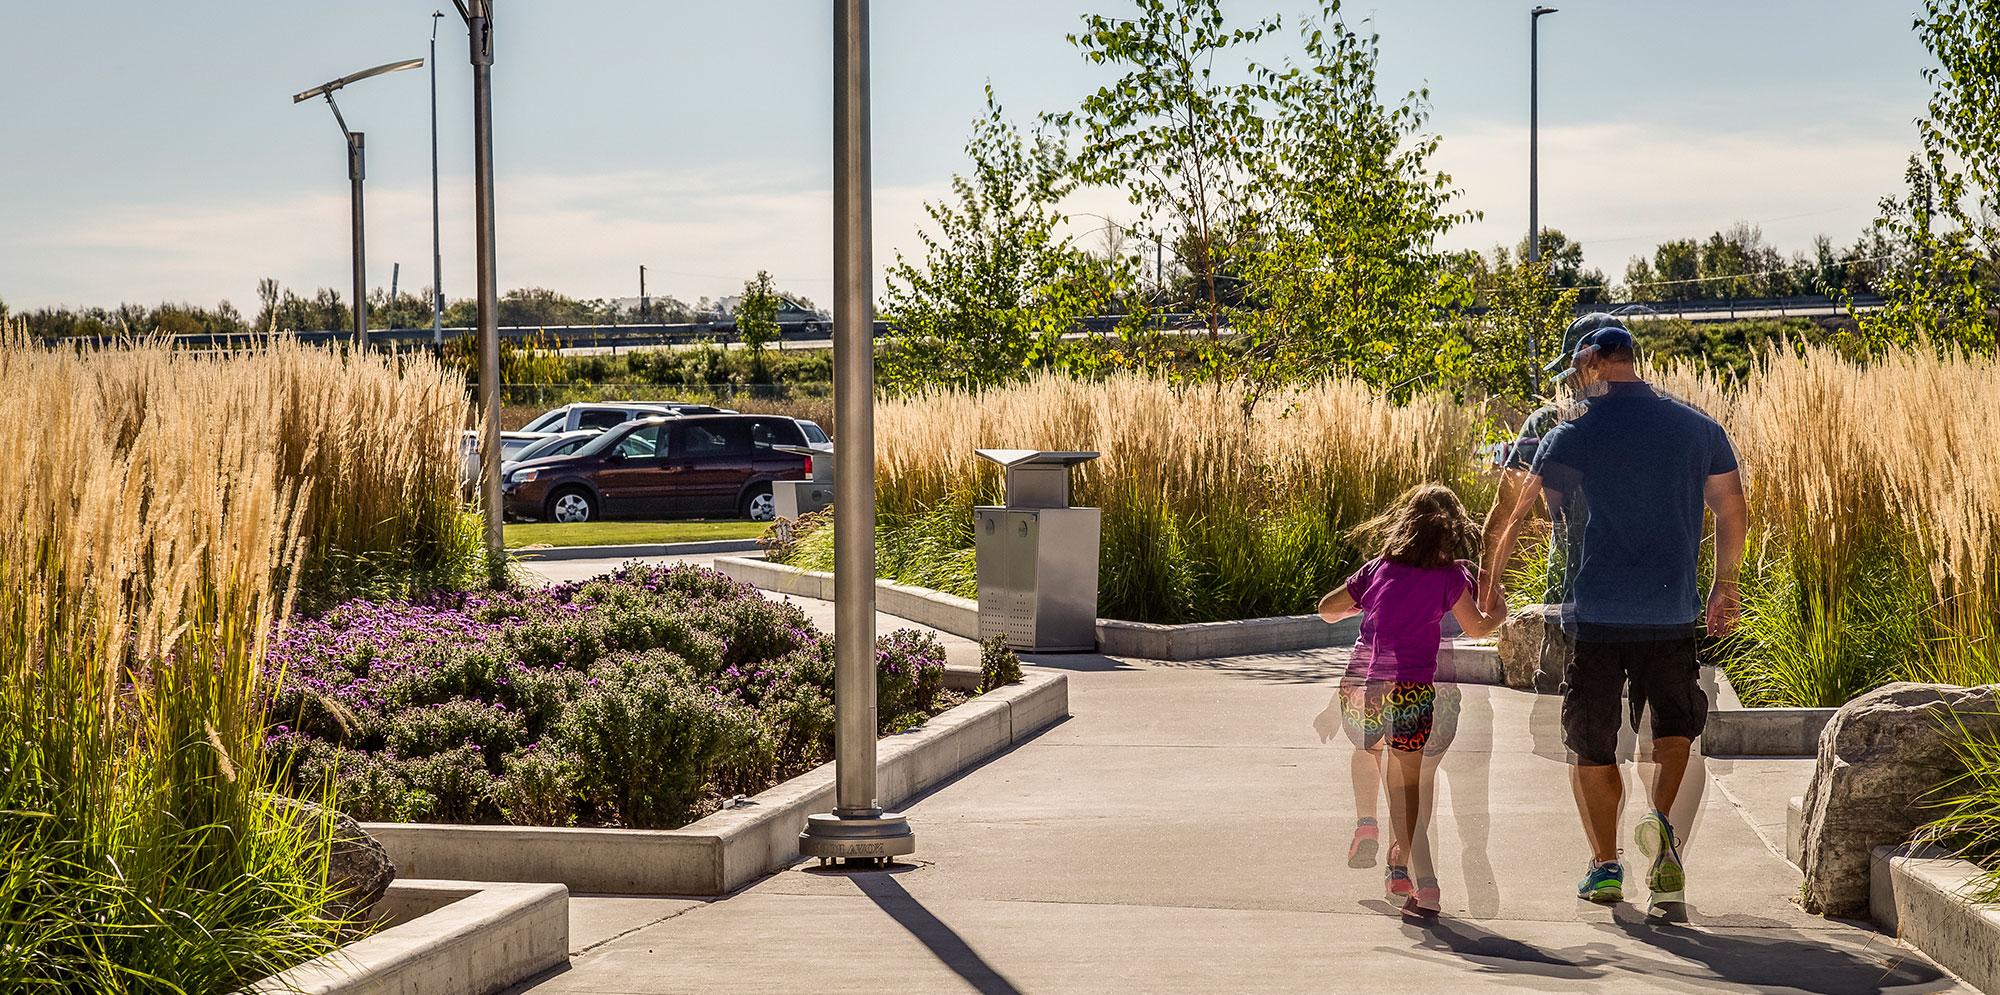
x=1406 y=810
x=1365 y=770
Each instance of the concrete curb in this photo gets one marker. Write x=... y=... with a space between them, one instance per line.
x=1736 y=731
x=735 y=846
x=941 y=611
x=631 y=551
x=1922 y=897
x=448 y=938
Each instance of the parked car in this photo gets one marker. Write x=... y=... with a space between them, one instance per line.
x=511 y=445
x=561 y=444
x=661 y=467
x=605 y=414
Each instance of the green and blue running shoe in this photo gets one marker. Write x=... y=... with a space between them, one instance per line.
x=1605 y=883
x=1667 y=880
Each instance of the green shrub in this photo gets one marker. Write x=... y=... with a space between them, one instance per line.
x=650 y=739
x=998 y=665
x=430 y=730
x=909 y=674
x=538 y=787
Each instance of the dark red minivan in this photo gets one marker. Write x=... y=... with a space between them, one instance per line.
x=690 y=466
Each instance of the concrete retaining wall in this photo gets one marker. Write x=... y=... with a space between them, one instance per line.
x=1922 y=897
x=448 y=938
x=1736 y=731
x=1115 y=637
x=737 y=845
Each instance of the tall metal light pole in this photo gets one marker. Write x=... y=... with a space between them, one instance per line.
x=355 y=172
x=437 y=253
x=857 y=831
x=1534 y=123
x=479 y=24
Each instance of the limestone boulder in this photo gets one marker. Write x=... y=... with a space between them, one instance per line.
x=1879 y=758
x=358 y=863
x=1521 y=639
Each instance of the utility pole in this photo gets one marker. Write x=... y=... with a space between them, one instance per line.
x=857 y=831
x=645 y=306
x=437 y=253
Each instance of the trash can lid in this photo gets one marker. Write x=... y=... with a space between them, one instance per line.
x=1033 y=457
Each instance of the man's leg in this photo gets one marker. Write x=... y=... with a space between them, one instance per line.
x=1591 y=719
x=1670 y=757
x=1600 y=792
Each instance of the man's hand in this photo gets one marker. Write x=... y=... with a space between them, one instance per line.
x=1725 y=603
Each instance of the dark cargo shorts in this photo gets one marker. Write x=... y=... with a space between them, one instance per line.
x=1664 y=676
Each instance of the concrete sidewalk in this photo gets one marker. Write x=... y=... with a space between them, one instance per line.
x=1186 y=832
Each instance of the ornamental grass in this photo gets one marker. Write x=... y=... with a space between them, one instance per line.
x=1214 y=507
x=161 y=512
x=1875 y=510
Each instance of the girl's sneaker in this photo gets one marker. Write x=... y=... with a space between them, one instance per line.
x=1425 y=901
x=1396 y=881
x=1395 y=874
x=1361 y=849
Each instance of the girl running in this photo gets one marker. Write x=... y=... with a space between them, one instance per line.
x=1389 y=693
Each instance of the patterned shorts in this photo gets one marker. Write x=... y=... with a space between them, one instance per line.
x=1398 y=711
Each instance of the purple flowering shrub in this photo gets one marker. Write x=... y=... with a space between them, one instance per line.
x=632 y=699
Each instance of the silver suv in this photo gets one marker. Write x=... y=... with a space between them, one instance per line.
x=610 y=414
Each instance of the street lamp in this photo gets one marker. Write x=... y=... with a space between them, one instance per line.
x=354 y=174
x=857 y=831
x=478 y=15
x=1534 y=122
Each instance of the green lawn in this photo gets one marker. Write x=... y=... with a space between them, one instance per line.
x=621 y=533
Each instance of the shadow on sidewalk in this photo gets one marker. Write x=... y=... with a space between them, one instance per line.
x=1762 y=957
x=942 y=941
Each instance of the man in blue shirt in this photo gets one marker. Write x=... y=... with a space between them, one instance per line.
x=1626 y=481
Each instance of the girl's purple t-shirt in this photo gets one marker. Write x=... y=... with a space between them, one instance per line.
x=1401 y=609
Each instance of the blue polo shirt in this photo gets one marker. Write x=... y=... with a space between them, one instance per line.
x=1624 y=482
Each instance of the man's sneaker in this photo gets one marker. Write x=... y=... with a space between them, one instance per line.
x=1605 y=883
x=1667 y=880
x=1361 y=849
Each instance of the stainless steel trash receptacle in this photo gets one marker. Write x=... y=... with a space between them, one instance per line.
x=1037 y=556
x=792 y=498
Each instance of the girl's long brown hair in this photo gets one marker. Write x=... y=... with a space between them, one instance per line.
x=1427 y=526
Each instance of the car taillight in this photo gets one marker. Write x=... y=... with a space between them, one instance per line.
x=809 y=466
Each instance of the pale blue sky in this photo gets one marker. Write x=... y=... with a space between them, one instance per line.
x=152 y=152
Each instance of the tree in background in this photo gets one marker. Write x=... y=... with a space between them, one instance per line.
x=1523 y=326
x=1180 y=142
x=757 y=316
x=1343 y=274
x=1941 y=280
x=1563 y=266
x=998 y=288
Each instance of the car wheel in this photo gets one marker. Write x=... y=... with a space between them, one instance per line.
x=759 y=505
x=571 y=506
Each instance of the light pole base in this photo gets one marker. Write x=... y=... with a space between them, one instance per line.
x=868 y=837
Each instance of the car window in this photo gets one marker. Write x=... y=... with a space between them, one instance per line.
x=566 y=447
x=510 y=447
x=814 y=434
x=548 y=421
x=642 y=443
x=716 y=438
x=768 y=432
x=601 y=418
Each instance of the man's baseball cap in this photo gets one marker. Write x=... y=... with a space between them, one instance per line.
x=1573 y=339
